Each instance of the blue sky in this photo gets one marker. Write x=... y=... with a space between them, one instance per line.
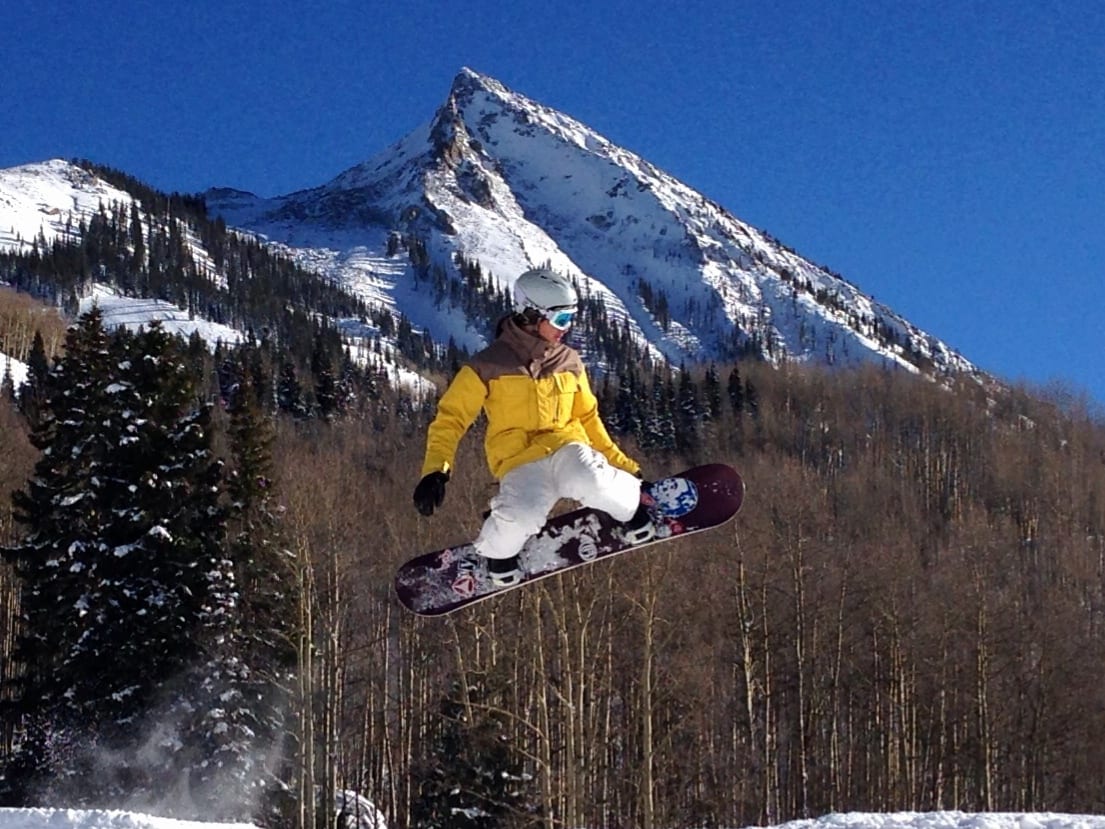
x=947 y=158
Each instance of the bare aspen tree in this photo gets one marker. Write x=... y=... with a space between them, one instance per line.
x=750 y=680
x=646 y=711
x=838 y=771
x=306 y=675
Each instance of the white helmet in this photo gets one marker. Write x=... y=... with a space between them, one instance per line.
x=544 y=290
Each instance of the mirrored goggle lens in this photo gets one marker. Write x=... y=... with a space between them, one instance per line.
x=561 y=319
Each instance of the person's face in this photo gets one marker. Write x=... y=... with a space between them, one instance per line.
x=549 y=332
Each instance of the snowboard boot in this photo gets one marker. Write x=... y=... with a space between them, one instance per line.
x=504 y=572
x=639 y=528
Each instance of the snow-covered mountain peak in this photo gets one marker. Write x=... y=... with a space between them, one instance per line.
x=502 y=180
x=497 y=179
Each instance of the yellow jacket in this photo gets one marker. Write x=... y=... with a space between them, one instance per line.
x=537 y=398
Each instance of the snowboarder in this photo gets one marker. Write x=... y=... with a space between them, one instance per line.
x=545 y=439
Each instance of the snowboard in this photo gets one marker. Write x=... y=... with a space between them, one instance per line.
x=443 y=581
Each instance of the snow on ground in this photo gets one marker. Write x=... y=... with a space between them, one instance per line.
x=75 y=819
x=947 y=820
x=50 y=199
x=96 y=819
x=17 y=368
x=135 y=313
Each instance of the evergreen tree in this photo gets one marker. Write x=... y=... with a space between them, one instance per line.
x=752 y=399
x=137 y=241
x=257 y=365
x=124 y=534
x=736 y=391
x=246 y=682
x=688 y=414
x=289 y=392
x=712 y=391
x=326 y=386
x=38 y=364
x=469 y=779
x=57 y=516
x=660 y=422
x=350 y=379
x=227 y=716
x=628 y=415
x=7 y=382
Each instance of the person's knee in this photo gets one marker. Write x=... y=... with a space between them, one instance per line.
x=582 y=471
x=500 y=539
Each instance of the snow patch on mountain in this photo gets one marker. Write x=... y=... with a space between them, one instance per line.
x=48 y=200
x=131 y=313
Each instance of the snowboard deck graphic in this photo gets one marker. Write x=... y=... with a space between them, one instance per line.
x=433 y=584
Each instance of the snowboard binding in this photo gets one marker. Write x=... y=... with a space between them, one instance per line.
x=641 y=528
x=504 y=572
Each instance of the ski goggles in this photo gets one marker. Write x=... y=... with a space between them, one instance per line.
x=560 y=319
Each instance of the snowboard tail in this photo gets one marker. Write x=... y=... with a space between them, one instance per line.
x=440 y=582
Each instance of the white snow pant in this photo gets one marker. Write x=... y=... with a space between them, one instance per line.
x=528 y=492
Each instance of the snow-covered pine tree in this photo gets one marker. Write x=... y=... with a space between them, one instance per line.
x=659 y=426
x=688 y=414
x=627 y=414
x=7 y=382
x=469 y=778
x=38 y=367
x=238 y=710
x=289 y=391
x=712 y=392
x=326 y=387
x=124 y=551
x=58 y=516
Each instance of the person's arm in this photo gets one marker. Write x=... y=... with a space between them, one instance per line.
x=586 y=409
x=457 y=410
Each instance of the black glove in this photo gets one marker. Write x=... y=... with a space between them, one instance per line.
x=430 y=492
